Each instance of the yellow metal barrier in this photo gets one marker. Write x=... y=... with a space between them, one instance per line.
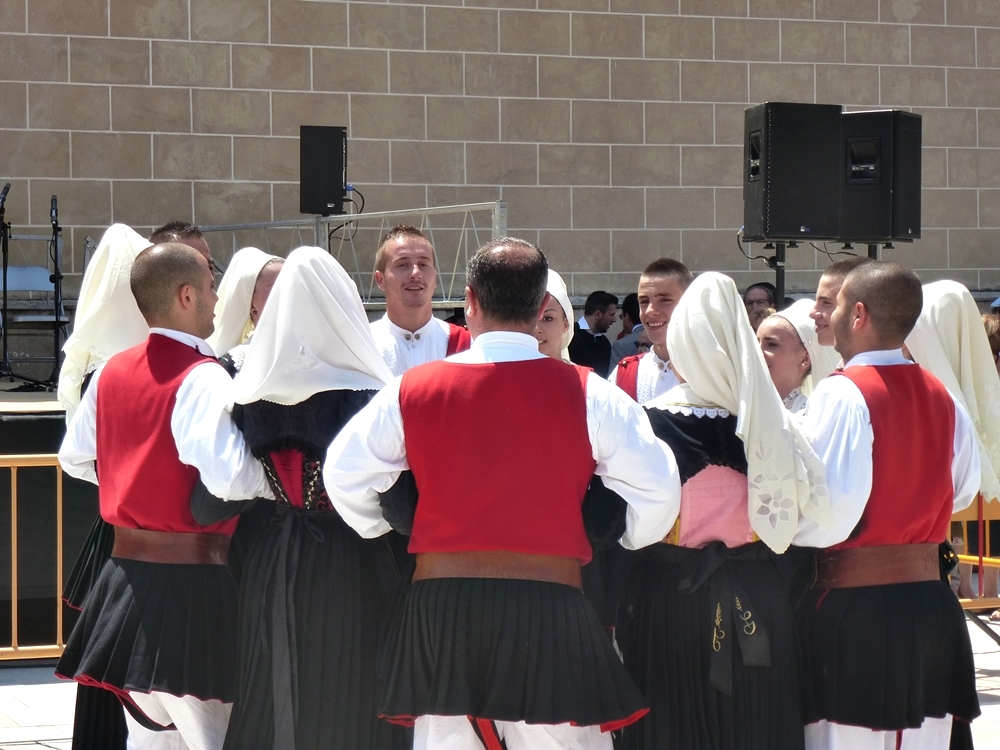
x=14 y=651
x=990 y=512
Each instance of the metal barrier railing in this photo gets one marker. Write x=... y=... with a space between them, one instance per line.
x=16 y=651
x=359 y=235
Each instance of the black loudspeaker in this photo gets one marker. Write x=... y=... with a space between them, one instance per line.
x=880 y=198
x=322 y=169
x=792 y=172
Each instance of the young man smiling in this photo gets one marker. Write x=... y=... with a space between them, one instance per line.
x=408 y=334
x=646 y=376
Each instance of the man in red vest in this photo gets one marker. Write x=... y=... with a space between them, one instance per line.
x=494 y=640
x=159 y=627
x=887 y=660
x=645 y=376
x=408 y=334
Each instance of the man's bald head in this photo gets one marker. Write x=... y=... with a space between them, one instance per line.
x=509 y=277
x=892 y=295
x=158 y=274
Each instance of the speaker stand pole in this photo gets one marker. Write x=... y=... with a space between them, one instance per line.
x=873 y=252
x=779 y=275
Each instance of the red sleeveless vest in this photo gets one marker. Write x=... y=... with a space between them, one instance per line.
x=628 y=375
x=459 y=339
x=143 y=484
x=913 y=423
x=501 y=456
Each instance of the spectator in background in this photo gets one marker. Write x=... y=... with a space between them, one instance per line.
x=758 y=315
x=758 y=296
x=590 y=347
x=185 y=233
x=992 y=324
x=628 y=340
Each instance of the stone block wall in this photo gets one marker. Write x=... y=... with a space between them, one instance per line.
x=612 y=128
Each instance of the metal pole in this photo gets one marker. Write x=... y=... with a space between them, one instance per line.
x=779 y=275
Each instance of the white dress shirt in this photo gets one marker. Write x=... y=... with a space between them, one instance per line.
x=201 y=423
x=368 y=455
x=402 y=349
x=655 y=377
x=838 y=424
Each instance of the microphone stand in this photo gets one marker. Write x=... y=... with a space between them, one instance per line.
x=56 y=279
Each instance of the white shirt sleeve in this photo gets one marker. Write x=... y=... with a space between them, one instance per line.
x=966 y=463
x=208 y=439
x=78 y=452
x=633 y=462
x=838 y=425
x=366 y=458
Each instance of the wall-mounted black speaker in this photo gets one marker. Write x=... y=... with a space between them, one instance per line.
x=880 y=198
x=322 y=169
x=792 y=172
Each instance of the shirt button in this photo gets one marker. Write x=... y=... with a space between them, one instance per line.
x=417 y=336
x=407 y=337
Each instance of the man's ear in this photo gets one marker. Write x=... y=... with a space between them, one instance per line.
x=380 y=280
x=187 y=296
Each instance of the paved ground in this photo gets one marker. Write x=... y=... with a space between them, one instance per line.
x=36 y=709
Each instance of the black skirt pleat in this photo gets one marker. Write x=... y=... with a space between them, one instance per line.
x=885 y=657
x=147 y=626
x=99 y=720
x=312 y=586
x=89 y=563
x=666 y=642
x=505 y=650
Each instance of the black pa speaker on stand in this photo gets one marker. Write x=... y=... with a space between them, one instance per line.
x=880 y=199
x=322 y=169
x=791 y=176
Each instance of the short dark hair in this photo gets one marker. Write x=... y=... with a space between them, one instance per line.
x=630 y=306
x=158 y=272
x=670 y=268
x=400 y=230
x=840 y=268
x=510 y=286
x=599 y=302
x=173 y=231
x=892 y=295
x=767 y=286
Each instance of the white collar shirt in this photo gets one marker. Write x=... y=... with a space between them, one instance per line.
x=402 y=349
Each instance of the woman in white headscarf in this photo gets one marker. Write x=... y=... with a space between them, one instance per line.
x=242 y=293
x=313 y=593
x=747 y=476
x=555 y=328
x=950 y=341
x=107 y=322
x=794 y=356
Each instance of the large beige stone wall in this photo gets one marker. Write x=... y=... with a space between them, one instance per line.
x=612 y=128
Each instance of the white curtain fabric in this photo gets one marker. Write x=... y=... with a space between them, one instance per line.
x=714 y=349
x=312 y=336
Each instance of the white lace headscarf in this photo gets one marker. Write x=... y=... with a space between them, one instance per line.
x=108 y=320
x=714 y=349
x=232 y=312
x=823 y=359
x=557 y=288
x=312 y=336
x=949 y=341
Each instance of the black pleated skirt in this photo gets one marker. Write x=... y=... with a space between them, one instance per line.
x=313 y=598
x=99 y=720
x=666 y=638
x=89 y=563
x=147 y=626
x=885 y=657
x=505 y=650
